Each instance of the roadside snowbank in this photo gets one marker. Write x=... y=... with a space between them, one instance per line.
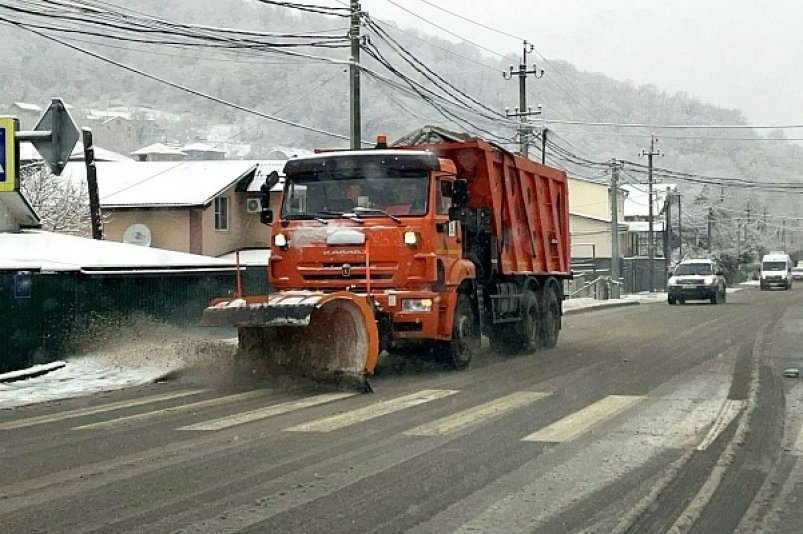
x=111 y=355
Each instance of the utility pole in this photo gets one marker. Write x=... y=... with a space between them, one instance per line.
x=543 y=145
x=354 y=78
x=739 y=240
x=615 y=274
x=710 y=228
x=668 y=231
x=680 y=228
x=92 y=184
x=651 y=234
x=522 y=111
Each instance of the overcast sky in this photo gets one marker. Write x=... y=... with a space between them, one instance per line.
x=743 y=54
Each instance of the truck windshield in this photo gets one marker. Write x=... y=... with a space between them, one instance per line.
x=693 y=268
x=774 y=266
x=376 y=195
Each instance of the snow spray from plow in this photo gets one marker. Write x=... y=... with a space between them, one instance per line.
x=329 y=337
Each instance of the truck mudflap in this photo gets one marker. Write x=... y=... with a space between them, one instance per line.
x=330 y=337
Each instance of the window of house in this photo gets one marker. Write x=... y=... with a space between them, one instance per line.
x=222 y=213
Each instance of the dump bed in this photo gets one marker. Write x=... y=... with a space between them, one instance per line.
x=528 y=204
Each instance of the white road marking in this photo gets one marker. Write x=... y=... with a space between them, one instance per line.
x=327 y=424
x=91 y=410
x=228 y=399
x=477 y=414
x=729 y=411
x=268 y=411
x=576 y=424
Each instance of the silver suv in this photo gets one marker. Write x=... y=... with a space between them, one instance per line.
x=697 y=280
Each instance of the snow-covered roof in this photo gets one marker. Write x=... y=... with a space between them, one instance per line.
x=27 y=106
x=162 y=183
x=264 y=168
x=159 y=148
x=48 y=251
x=201 y=147
x=249 y=256
x=28 y=153
x=636 y=203
x=644 y=226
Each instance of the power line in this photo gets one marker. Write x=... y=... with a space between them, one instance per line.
x=179 y=86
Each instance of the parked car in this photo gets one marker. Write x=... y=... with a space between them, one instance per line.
x=697 y=280
x=797 y=273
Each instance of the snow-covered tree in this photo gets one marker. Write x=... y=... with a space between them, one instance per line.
x=62 y=204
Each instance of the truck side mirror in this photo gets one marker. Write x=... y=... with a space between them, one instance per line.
x=460 y=192
x=456 y=214
x=265 y=213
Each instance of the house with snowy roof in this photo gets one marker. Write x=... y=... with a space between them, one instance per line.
x=199 y=207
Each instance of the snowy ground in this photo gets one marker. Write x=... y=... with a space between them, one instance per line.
x=146 y=352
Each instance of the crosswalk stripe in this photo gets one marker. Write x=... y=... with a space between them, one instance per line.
x=228 y=399
x=91 y=410
x=477 y=414
x=576 y=424
x=327 y=424
x=729 y=410
x=268 y=411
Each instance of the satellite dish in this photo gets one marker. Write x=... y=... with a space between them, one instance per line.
x=137 y=234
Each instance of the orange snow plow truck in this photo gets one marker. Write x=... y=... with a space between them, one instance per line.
x=423 y=247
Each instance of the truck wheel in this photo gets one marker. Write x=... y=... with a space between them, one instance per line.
x=551 y=323
x=723 y=298
x=671 y=301
x=526 y=334
x=465 y=335
x=714 y=299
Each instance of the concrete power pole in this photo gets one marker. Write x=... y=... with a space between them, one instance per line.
x=651 y=233
x=668 y=231
x=354 y=78
x=522 y=111
x=615 y=260
x=680 y=227
x=710 y=228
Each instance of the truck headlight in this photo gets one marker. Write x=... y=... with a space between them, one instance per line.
x=417 y=305
x=410 y=238
x=280 y=240
x=710 y=280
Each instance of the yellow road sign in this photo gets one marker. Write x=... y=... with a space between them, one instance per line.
x=8 y=157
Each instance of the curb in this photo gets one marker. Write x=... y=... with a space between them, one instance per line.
x=30 y=372
x=576 y=311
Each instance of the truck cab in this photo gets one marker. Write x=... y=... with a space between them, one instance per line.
x=374 y=222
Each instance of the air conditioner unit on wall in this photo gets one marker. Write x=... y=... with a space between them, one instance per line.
x=253 y=205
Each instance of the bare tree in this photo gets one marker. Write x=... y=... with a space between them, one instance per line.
x=62 y=203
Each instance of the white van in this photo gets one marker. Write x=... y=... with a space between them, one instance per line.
x=776 y=271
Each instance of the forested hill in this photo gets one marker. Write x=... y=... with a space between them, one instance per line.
x=315 y=92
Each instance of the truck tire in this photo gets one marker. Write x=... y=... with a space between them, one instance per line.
x=671 y=301
x=714 y=299
x=521 y=337
x=465 y=340
x=550 y=326
x=724 y=297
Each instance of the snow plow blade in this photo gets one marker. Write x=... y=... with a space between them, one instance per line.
x=330 y=337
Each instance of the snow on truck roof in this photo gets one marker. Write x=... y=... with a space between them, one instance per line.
x=48 y=251
x=407 y=159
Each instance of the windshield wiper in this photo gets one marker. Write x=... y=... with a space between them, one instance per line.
x=303 y=216
x=349 y=216
x=377 y=210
